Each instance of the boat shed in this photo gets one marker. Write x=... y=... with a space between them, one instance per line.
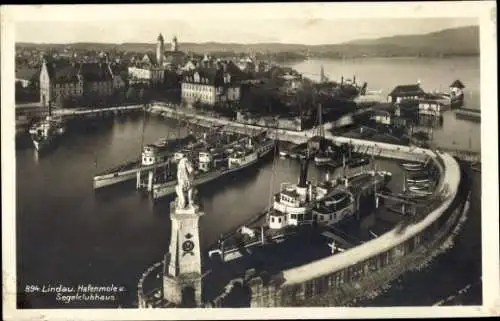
x=405 y=92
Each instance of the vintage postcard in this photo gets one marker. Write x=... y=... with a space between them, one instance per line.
x=249 y=161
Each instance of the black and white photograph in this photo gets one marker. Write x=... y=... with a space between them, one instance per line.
x=278 y=156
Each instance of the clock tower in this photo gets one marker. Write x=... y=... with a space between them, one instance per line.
x=182 y=266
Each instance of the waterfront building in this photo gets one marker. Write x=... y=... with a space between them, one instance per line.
x=405 y=92
x=430 y=107
x=70 y=79
x=210 y=86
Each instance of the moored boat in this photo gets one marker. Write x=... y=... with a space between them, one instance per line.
x=419 y=178
x=420 y=190
x=323 y=158
x=335 y=208
x=158 y=154
x=46 y=133
x=412 y=166
x=210 y=168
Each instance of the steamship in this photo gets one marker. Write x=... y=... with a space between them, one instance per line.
x=157 y=154
x=215 y=163
x=302 y=207
x=46 y=132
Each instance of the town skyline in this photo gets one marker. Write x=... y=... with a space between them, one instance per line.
x=280 y=31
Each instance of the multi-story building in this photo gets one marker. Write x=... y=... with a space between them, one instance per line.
x=71 y=79
x=151 y=68
x=210 y=86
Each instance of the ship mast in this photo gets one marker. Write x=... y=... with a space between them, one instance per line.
x=271 y=181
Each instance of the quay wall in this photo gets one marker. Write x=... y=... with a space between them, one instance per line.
x=381 y=149
x=337 y=279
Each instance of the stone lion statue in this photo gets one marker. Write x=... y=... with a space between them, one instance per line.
x=184 y=186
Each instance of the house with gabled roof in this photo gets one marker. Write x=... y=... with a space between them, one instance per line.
x=405 y=92
x=209 y=86
x=71 y=79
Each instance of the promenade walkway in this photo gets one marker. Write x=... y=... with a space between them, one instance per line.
x=86 y=111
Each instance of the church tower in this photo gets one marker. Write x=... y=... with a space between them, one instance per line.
x=160 y=49
x=174 y=46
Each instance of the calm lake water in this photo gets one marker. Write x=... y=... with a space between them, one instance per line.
x=434 y=74
x=69 y=234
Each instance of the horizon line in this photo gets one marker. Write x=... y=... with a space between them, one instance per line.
x=248 y=43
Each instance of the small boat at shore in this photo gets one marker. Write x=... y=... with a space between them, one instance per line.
x=358 y=161
x=412 y=166
x=420 y=190
x=419 y=179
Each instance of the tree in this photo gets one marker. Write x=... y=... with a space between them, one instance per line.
x=131 y=94
x=141 y=94
x=60 y=102
x=197 y=104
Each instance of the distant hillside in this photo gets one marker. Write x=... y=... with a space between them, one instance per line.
x=457 y=41
x=463 y=40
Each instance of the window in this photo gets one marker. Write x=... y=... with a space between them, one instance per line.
x=279 y=220
x=293 y=216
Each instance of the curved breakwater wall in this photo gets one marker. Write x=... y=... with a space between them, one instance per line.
x=338 y=279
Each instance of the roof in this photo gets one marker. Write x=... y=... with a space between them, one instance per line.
x=406 y=89
x=151 y=57
x=27 y=73
x=95 y=72
x=214 y=75
x=174 y=57
x=62 y=72
x=457 y=84
x=381 y=112
x=69 y=72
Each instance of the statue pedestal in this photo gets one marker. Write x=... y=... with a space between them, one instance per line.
x=182 y=274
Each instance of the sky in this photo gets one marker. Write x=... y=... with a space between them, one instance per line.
x=237 y=26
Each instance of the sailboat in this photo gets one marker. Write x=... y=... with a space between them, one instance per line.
x=323 y=152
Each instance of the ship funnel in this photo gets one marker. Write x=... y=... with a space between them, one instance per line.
x=303 y=172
